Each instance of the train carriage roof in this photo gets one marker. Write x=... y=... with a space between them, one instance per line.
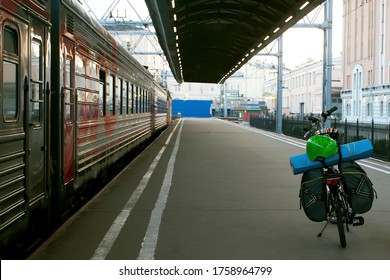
x=118 y=52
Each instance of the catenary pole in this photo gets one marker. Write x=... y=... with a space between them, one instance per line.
x=279 y=96
x=327 y=70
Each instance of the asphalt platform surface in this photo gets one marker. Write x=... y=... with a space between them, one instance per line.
x=209 y=189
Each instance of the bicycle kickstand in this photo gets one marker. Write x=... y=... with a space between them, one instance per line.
x=320 y=234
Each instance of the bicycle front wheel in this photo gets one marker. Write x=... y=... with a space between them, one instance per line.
x=340 y=222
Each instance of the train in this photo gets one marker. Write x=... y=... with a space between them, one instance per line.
x=73 y=102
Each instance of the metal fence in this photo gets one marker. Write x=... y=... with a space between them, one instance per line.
x=379 y=134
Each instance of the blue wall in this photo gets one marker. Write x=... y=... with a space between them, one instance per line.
x=192 y=108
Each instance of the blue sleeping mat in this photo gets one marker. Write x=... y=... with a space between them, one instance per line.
x=351 y=151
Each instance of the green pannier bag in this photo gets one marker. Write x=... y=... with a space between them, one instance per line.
x=358 y=186
x=313 y=195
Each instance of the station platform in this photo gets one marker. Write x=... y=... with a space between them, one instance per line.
x=210 y=189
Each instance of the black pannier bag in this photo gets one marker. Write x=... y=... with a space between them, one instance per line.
x=313 y=195
x=358 y=186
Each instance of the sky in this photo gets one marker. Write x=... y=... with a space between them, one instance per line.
x=299 y=44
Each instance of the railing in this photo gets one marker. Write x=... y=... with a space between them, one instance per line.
x=379 y=134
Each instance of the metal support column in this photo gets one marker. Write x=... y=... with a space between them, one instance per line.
x=279 y=96
x=327 y=70
x=224 y=99
x=225 y=114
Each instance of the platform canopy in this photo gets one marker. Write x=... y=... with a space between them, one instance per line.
x=208 y=40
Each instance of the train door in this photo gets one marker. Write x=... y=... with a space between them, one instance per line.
x=68 y=109
x=36 y=92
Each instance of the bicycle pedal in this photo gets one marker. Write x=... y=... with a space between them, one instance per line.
x=357 y=221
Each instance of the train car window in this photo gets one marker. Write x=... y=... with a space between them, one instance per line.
x=135 y=106
x=36 y=87
x=125 y=96
x=88 y=104
x=67 y=71
x=145 y=101
x=141 y=103
x=10 y=41
x=140 y=93
x=136 y=99
x=110 y=96
x=10 y=65
x=139 y=100
x=131 y=100
x=81 y=101
x=69 y=102
x=10 y=92
x=118 y=96
x=102 y=93
x=149 y=95
x=93 y=99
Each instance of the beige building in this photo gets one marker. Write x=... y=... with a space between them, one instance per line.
x=366 y=61
x=303 y=89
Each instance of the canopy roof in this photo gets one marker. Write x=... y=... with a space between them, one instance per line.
x=208 y=40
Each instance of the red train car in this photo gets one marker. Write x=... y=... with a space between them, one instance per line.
x=72 y=102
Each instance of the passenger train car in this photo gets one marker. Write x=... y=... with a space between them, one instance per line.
x=72 y=102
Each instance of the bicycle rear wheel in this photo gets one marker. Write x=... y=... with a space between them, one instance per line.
x=340 y=222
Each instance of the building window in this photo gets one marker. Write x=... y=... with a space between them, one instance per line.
x=388 y=109
x=349 y=112
x=369 y=109
x=381 y=109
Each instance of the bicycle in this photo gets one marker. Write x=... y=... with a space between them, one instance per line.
x=321 y=144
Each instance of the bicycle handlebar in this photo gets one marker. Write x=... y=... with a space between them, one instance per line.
x=317 y=121
x=329 y=112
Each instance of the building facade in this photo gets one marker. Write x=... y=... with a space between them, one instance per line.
x=303 y=89
x=366 y=61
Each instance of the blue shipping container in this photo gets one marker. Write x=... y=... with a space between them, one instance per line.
x=192 y=108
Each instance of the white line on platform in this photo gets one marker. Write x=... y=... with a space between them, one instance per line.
x=105 y=245
x=151 y=236
x=365 y=162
